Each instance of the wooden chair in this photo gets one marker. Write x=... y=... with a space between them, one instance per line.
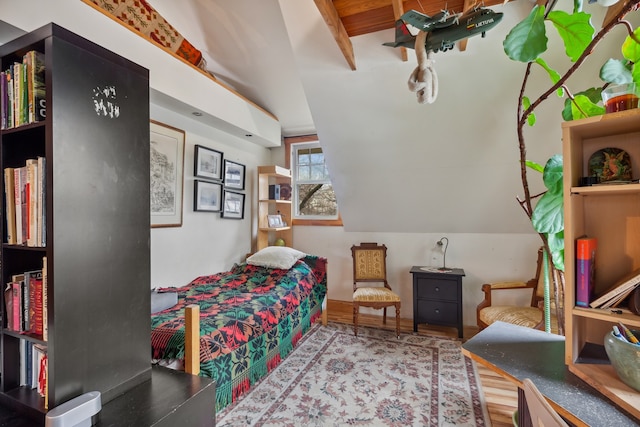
x=369 y=266
x=531 y=316
x=540 y=410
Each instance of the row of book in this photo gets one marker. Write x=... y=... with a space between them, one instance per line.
x=22 y=91
x=26 y=204
x=25 y=299
x=586 y=248
x=33 y=366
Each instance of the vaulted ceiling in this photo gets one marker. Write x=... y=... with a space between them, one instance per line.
x=396 y=165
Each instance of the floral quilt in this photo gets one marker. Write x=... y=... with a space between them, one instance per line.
x=250 y=319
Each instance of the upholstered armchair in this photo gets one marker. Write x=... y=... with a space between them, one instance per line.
x=531 y=316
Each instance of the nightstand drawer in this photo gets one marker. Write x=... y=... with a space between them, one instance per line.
x=438 y=312
x=446 y=290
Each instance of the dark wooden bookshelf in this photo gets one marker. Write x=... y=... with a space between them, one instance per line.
x=97 y=223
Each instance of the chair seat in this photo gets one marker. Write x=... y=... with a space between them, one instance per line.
x=522 y=316
x=371 y=294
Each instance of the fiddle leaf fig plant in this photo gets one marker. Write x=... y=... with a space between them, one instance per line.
x=526 y=43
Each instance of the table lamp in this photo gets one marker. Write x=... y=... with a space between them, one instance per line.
x=444 y=257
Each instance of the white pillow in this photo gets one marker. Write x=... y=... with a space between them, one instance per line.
x=276 y=257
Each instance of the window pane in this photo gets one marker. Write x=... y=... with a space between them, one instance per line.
x=303 y=157
x=317 y=158
x=316 y=200
x=304 y=173
x=318 y=172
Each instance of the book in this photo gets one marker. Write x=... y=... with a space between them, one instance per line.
x=10 y=205
x=24 y=305
x=3 y=100
x=18 y=204
x=24 y=205
x=32 y=202
x=41 y=203
x=31 y=280
x=8 y=305
x=16 y=306
x=45 y=308
x=585 y=270
x=627 y=282
x=39 y=92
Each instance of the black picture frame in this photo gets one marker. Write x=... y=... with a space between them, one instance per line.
x=232 y=205
x=207 y=196
x=234 y=175
x=208 y=163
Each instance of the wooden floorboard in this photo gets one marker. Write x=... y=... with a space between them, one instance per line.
x=500 y=395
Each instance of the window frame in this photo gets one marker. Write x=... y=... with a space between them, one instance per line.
x=288 y=141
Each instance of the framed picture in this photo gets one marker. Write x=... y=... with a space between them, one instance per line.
x=167 y=166
x=207 y=163
x=233 y=175
x=207 y=196
x=232 y=205
x=275 y=221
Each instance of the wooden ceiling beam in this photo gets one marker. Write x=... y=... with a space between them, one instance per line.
x=332 y=19
x=398 y=11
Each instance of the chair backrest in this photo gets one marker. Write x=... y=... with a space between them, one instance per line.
x=369 y=263
x=542 y=413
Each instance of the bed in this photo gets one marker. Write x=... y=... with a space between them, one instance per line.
x=250 y=318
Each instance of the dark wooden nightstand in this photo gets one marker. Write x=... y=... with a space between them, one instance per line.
x=437 y=297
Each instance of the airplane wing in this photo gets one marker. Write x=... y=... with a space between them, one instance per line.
x=418 y=20
x=425 y=22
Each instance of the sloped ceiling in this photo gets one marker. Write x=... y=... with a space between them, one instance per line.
x=397 y=166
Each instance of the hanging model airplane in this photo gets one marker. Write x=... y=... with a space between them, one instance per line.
x=444 y=29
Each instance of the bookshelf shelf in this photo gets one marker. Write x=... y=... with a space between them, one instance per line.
x=96 y=221
x=272 y=175
x=611 y=214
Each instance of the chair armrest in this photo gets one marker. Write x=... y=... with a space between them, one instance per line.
x=487 y=288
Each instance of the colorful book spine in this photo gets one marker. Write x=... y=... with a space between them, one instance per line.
x=585 y=270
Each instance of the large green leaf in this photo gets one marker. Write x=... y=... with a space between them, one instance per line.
x=552 y=175
x=526 y=103
x=553 y=75
x=528 y=39
x=631 y=49
x=616 y=71
x=556 y=245
x=635 y=73
x=577 y=6
x=535 y=166
x=575 y=29
x=548 y=215
x=587 y=108
x=594 y=96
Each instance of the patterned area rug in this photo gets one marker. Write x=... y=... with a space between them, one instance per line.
x=333 y=378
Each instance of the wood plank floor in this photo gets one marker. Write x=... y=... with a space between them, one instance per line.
x=501 y=396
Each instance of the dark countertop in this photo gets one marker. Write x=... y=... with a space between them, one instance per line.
x=520 y=353
x=170 y=398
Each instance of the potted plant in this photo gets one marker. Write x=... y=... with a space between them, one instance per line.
x=526 y=43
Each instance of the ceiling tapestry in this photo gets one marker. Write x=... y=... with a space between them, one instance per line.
x=141 y=17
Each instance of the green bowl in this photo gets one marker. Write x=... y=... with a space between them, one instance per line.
x=625 y=358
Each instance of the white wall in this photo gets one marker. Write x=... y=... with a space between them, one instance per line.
x=484 y=258
x=206 y=243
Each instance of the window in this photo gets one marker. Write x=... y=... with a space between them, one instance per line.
x=313 y=198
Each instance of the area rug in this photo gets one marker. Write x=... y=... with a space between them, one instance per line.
x=333 y=378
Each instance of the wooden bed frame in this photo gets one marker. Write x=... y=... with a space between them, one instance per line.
x=192 y=336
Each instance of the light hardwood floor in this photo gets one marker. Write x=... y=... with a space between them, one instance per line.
x=501 y=396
